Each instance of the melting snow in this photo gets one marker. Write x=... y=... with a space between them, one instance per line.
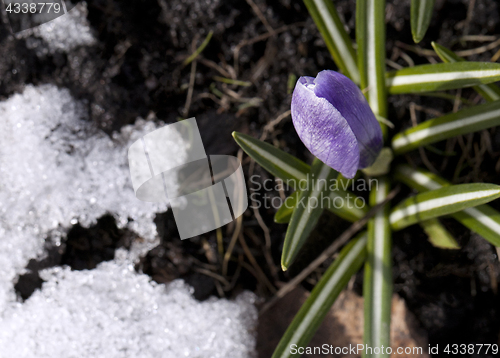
x=113 y=312
x=64 y=33
x=56 y=169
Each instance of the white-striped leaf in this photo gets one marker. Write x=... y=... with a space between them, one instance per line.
x=419 y=179
x=468 y=120
x=370 y=38
x=336 y=38
x=421 y=14
x=274 y=160
x=482 y=219
x=377 y=281
x=382 y=164
x=339 y=202
x=439 y=202
x=284 y=213
x=489 y=92
x=292 y=170
x=345 y=205
x=322 y=297
x=438 y=235
x=307 y=212
x=442 y=76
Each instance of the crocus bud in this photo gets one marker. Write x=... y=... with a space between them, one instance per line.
x=335 y=122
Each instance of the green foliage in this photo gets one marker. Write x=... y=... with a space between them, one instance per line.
x=466 y=121
x=490 y=92
x=438 y=235
x=305 y=217
x=482 y=219
x=322 y=297
x=336 y=38
x=370 y=37
x=421 y=14
x=440 y=202
x=442 y=76
x=377 y=283
x=437 y=197
x=284 y=213
x=292 y=170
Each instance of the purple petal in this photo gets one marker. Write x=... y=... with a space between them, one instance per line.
x=347 y=98
x=323 y=130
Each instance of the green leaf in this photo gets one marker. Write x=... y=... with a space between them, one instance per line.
x=444 y=201
x=370 y=37
x=345 y=204
x=482 y=219
x=442 y=76
x=284 y=213
x=322 y=297
x=421 y=14
x=450 y=97
x=419 y=179
x=305 y=216
x=468 y=120
x=280 y=164
x=377 y=281
x=382 y=164
x=336 y=38
x=341 y=203
x=292 y=171
x=489 y=92
x=438 y=235
x=445 y=54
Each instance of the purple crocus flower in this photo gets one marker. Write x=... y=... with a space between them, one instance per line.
x=335 y=122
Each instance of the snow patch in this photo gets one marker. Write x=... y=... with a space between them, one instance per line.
x=112 y=311
x=56 y=170
x=62 y=34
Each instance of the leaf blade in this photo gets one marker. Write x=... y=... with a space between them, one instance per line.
x=284 y=213
x=348 y=209
x=305 y=217
x=441 y=76
x=490 y=92
x=324 y=294
x=419 y=179
x=482 y=219
x=274 y=160
x=370 y=37
x=450 y=125
x=377 y=281
x=420 y=18
x=271 y=159
x=336 y=38
x=438 y=235
x=444 y=201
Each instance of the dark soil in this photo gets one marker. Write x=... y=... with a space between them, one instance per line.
x=452 y=293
